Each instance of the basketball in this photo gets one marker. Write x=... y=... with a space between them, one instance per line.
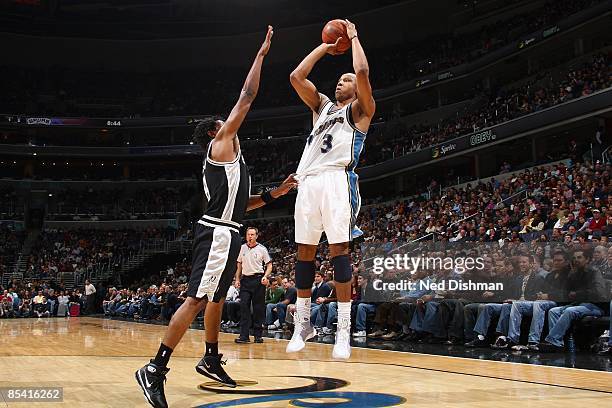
x=334 y=29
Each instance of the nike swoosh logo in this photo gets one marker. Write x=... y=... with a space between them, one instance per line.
x=147 y=381
x=207 y=365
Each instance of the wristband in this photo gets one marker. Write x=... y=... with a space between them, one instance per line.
x=267 y=197
x=353 y=38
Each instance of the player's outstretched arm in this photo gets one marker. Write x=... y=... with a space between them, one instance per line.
x=248 y=93
x=365 y=100
x=299 y=77
x=256 y=201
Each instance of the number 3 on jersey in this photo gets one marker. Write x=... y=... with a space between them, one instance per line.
x=327 y=143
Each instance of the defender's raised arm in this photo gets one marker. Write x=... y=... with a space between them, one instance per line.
x=223 y=148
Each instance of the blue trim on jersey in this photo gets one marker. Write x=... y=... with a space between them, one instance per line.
x=358 y=142
x=353 y=194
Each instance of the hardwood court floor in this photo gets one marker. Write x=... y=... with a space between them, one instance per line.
x=94 y=361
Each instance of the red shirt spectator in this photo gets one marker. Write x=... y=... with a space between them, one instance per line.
x=597 y=223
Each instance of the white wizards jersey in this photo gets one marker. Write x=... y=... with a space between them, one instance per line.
x=334 y=142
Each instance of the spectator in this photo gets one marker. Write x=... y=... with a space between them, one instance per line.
x=321 y=290
x=231 y=306
x=90 y=293
x=42 y=309
x=274 y=292
x=6 y=306
x=276 y=313
x=587 y=292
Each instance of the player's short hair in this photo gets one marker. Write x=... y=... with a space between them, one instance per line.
x=200 y=133
x=254 y=229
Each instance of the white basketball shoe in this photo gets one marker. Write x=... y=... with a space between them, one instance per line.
x=342 y=346
x=302 y=332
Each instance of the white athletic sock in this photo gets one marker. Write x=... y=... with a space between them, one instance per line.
x=481 y=337
x=302 y=310
x=344 y=316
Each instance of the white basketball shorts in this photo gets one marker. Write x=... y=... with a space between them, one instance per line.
x=328 y=201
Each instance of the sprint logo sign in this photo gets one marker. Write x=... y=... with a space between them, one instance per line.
x=441 y=150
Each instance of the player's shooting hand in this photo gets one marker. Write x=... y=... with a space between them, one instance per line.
x=332 y=49
x=265 y=47
x=289 y=184
x=350 y=29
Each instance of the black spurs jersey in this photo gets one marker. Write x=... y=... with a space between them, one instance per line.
x=227 y=186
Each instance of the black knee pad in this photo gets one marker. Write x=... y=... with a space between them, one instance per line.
x=304 y=274
x=343 y=272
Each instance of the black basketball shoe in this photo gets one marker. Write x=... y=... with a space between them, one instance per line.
x=210 y=366
x=151 y=379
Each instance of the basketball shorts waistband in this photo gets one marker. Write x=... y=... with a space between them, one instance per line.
x=216 y=222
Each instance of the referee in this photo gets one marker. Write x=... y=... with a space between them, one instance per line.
x=253 y=282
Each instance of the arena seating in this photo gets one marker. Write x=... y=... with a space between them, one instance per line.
x=176 y=94
x=81 y=250
x=393 y=138
x=165 y=201
x=533 y=206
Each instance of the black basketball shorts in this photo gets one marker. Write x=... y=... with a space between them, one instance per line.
x=215 y=252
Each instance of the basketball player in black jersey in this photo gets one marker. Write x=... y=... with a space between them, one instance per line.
x=217 y=241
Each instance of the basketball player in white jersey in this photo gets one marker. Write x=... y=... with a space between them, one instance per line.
x=328 y=195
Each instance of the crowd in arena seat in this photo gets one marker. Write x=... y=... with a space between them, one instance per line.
x=554 y=220
x=550 y=208
x=83 y=250
x=566 y=280
x=153 y=303
x=394 y=138
x=537 y=223
x=500 y=209
x=40 y=298
x=503 y=105
x=155 y=297
x=175 y=94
